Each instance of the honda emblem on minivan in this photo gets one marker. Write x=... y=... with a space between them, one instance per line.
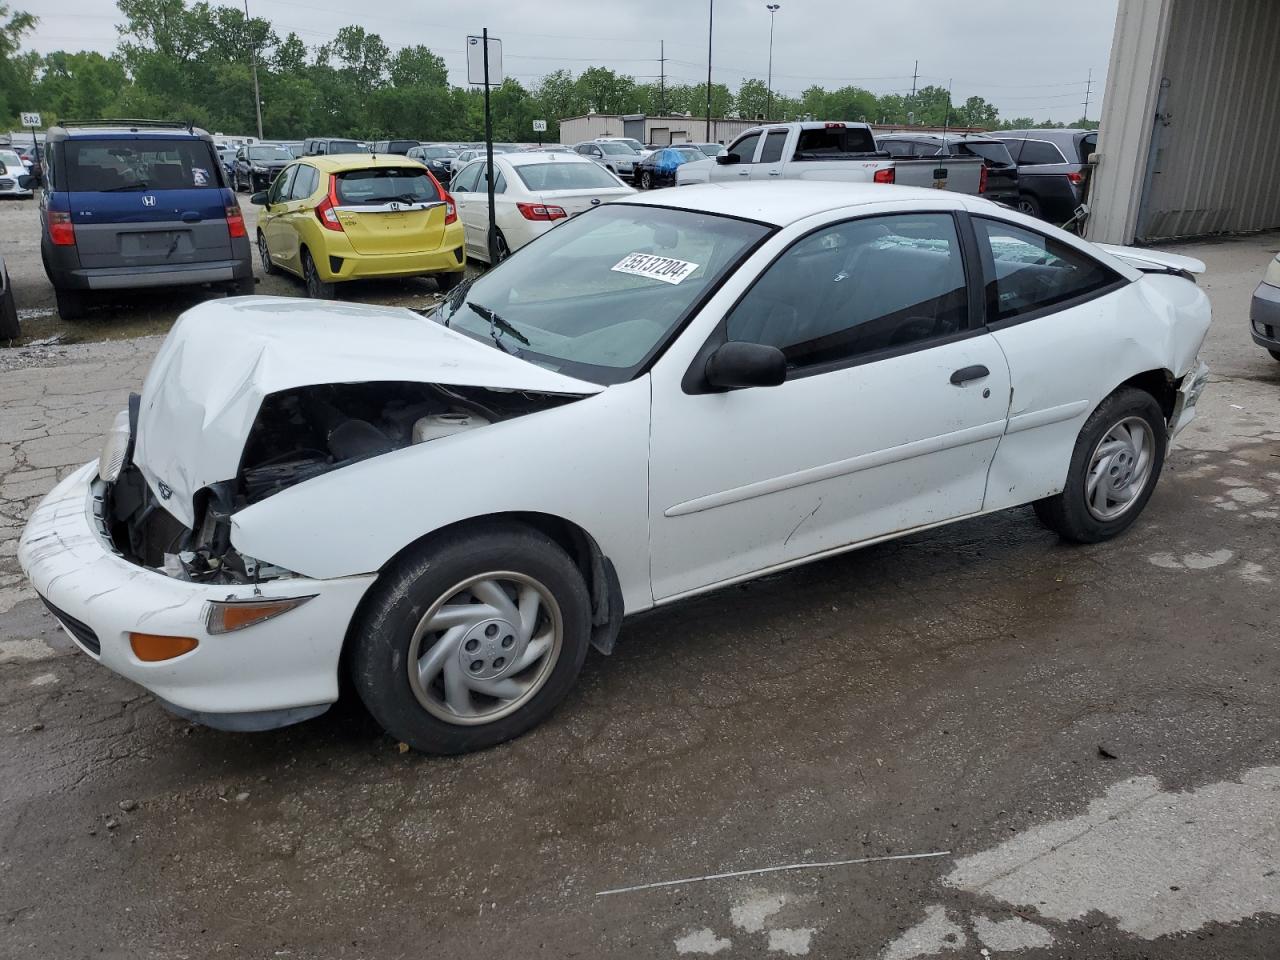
x=148 y=201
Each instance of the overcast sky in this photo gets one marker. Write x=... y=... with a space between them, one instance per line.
x=1029 y=58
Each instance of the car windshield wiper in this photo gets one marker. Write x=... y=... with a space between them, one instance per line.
x=139 y=185
x=498 y=326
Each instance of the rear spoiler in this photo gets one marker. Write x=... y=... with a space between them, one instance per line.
x=1154 y=261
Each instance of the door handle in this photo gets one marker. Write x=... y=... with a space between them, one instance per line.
x=775 y=173
x=967 y=375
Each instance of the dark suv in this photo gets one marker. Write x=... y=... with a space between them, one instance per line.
x=328 y=146
x=1053 y=169
x=257 y=164
x=398 y=147
x=133 y=203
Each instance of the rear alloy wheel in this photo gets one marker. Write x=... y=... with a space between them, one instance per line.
x=646 y=180
x=264 y=255
x=1029 y=205
x=317 y=289
x=473 y=641
x=1117 y=461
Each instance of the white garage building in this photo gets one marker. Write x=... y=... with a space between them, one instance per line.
x=1190 y=138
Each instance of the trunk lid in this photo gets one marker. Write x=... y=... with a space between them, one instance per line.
x=576 y=201
x=1154 y=260
x=143 y=228
x=394 y=227
x=223 y=357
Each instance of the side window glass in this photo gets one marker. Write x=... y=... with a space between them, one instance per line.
x=1015 y=149
x=745 y=149
x=773 y=145
x=856 y=288
x=1028 y=271
x=1038 y=151
x=500 y=185
x=465 y=182
x=281 y=185
x=305 y=183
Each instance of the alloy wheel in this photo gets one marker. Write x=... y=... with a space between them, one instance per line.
x=1120 y=468
x=485 y=648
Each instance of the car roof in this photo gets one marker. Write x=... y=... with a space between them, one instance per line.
x=123 y=131
x=343 y=162
x=788 y=201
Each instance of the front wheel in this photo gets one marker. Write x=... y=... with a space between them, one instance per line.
x=1114 y=468
x=473 y=641
x=317 y=289
x=646 y=181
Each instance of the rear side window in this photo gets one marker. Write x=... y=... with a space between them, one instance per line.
x=306 y=182
x=1040 y=151
x=773 y=144
x=1026 y=271
x=1087 y=146
x=384 y=184
x=122 y=165
x=834 y=142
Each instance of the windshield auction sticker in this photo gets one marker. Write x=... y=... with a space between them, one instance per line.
x=666 y=269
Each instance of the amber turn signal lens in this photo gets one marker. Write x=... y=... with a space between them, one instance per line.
x=224 y=617
x=152 y=647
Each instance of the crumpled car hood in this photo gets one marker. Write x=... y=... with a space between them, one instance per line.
x=221 y=359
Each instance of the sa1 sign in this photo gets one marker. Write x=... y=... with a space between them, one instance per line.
x=539 y=126
x=31 y=120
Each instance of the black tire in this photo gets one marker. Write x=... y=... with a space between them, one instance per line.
x=244 y=287
x=317 y=289
x=72 y=304
x=1029 y=205
x=382 y=635
x=646 y=180
x=448 y=281
x=10 y=328
x=1068 y=514
x=1275 y=354
x=503 y=250
x=264 y=254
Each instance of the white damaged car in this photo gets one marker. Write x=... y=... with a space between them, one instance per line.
x=664 y=395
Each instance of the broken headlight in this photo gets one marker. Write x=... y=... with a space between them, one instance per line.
x=115 y=448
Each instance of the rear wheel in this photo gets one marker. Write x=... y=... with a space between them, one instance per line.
x=317 y=289
x=1029 y=205
x=264 y=255
x=1117 y=461
x=646 y=180
x=10 y=328
x=474 y=640
x=447 y=281
x=72 y=304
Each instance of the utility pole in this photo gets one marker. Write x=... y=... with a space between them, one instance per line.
x=768 y=100
x=488 y=156
x=253 y=58
x=1088 y=91
x=662 y=79
x=711 y=24
x=915 y=76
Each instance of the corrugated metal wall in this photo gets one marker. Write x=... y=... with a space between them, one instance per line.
x=1217 y=161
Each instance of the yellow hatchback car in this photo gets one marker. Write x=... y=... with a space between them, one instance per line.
x=337 y=218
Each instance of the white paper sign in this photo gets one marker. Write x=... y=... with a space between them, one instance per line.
x=475 y=61
x=666 y=269
x=539 y=126
x=31 y=120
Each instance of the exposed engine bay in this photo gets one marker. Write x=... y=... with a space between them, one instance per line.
x=298 y=434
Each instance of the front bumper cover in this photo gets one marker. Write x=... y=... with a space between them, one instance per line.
x=270 y=674
x=1184 y=407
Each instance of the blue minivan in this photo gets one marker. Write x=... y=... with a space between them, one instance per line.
x=129 y=204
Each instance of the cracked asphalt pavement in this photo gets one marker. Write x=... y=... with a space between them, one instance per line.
x=1087 y=735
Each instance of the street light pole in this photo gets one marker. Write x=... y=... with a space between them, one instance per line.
x=253 y=57
x=768 y=100
x=711 y=18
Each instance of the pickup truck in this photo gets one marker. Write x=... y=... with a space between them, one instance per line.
x=928 y=160
x=796 y=151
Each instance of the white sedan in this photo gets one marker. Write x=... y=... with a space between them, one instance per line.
x=666 y=395
x=532 y=192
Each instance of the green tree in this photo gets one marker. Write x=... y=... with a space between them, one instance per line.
x=16 y=69
x=752 y=101
x=976 y=112
x=605 y=91
x=82 y=84
x=417 y=66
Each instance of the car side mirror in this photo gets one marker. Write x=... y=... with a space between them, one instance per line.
x=737 y=365
x=728 y=158
x=259 y=199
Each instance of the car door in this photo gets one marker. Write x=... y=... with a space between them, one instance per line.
x=771 y=160
x=892 y=408
x=1050 y=305
x=274 y=222
x=299 y=211
x=745 y=150
x=471 y=208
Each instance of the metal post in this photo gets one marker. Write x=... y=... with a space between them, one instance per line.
x=488 y=152
x=711 y=18
x=253 y=57
x=768 y=84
